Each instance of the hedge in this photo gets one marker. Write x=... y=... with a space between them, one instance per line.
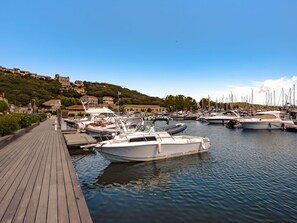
x=13 y=122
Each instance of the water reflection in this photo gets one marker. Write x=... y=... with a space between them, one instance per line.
x=148 y=172
x=247 y=176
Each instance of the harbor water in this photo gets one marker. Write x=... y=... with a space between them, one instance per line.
x=246 y=176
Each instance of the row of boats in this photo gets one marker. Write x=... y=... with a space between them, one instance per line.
x=123 y=139
x=261 y=120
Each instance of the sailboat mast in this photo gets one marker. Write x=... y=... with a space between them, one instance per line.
x=294 y=95
x=283 y=102
x=252 y=101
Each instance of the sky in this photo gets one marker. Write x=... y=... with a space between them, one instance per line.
x=198 y=48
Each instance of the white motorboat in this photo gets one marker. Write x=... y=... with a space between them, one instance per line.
x=265 y=120
x=222 y=118
x=148 y=143
x=100 y=115
x=102 y=128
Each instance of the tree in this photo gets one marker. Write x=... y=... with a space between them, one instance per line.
x=3 y=106
x=67 y=101
x=205 y=103
x=180 y=103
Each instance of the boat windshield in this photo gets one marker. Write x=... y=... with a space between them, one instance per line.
x=148 y=127
x=145 y=128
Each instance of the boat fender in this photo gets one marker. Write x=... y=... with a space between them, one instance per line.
x=159 y=148
x=269 y=125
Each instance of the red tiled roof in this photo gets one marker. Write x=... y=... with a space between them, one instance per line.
x=52 y=102
x=89 y=96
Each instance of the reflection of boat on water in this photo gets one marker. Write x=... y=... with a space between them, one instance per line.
x=152 y=173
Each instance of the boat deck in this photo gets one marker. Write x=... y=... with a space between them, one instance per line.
x=37 y=180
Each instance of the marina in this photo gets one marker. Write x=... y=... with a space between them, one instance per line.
x=247 y=176
x=148 y=112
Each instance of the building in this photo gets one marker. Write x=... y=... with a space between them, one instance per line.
x=51 y=106
x=89 y=99
x=144 y=108
x=78 y=83
x=78 y=86
x=42 y=77
x=64 y=81
x=79 y=90
x=107 y=100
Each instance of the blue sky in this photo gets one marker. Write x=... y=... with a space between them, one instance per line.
x=196 y=48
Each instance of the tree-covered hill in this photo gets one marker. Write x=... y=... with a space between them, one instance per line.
x=22 y=90
x=126 y=96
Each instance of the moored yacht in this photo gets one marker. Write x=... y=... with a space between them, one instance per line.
x=222 y=118
x=147 y=143
x=265 y=120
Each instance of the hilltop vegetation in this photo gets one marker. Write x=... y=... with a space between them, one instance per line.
x=21 y=90
x=126 y=96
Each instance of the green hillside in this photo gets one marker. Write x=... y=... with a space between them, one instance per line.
x=126 y=96
x=21 y=90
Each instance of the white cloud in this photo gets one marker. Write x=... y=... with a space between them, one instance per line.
x=267 y=91
x=277 y=84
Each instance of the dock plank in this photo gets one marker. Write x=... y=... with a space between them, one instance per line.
x=63 y=211
x=24 y=203
x=71 y=199
x=32 y=207
x=37 y=180
x=53 y=190
x=14 y=161
x=18 y=194
x=11 y=186
x=81 y=203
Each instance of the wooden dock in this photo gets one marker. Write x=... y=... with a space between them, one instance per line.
x=37 y=180
x=78 y=139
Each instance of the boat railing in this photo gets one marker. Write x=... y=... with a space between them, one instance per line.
x=141 y=127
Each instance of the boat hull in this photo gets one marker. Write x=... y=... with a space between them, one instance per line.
x=217 y=121
x=149 y=151
x=263 y=125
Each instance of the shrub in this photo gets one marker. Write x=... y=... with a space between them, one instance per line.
x=3 y=106
x=23 y=119
x=42 y=116
x=8 y=125
x=11 y=123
